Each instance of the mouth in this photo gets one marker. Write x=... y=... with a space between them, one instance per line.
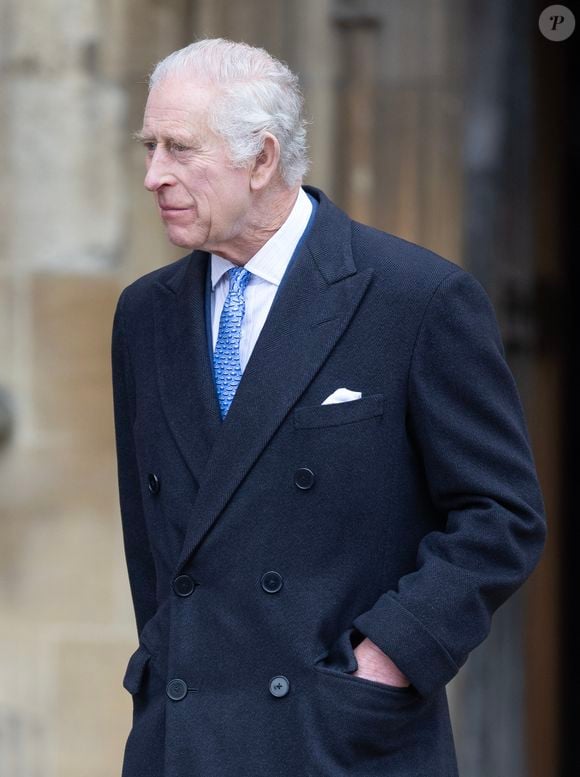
x=172 y=211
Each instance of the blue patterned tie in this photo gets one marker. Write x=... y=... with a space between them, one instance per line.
x=226 y=357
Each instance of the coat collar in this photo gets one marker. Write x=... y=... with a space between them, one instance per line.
x=321 y=291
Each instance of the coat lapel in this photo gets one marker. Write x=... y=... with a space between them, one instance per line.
x=321 y=292
x=184 y=373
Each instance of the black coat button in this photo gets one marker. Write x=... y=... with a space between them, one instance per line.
x=304 y=478
x=176 y=689
x=279 y=685
x=271 y=582
x=154 y=484
x=183 y=585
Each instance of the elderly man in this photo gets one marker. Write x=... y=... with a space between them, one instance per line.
x=325 y=476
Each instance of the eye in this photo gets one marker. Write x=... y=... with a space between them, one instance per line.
x=150 y=145
x=178 y=148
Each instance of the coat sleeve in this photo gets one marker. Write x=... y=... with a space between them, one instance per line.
x=140 y=564
x=466 y=422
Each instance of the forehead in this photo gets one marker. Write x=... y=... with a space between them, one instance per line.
x=177 y=105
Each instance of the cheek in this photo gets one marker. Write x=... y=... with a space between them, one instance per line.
x=237 y=194
x=197 y=184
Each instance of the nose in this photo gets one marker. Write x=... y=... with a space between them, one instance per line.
x=157 y=171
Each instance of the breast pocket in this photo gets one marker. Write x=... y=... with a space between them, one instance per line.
x=314 y=416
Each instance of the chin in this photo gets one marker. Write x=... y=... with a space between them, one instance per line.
x=183 y=240
x=181 y=243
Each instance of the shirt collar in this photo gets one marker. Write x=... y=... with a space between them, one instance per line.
x=270 y=262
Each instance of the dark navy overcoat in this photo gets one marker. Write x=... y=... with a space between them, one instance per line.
x=262 y=548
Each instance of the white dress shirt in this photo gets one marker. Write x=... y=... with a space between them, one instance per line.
x=267 y=266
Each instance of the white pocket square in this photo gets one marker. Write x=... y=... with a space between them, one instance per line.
x=342 y=395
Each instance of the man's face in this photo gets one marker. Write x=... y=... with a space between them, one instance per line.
x=203 y=201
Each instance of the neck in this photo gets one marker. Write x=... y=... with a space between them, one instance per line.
x=270 y=211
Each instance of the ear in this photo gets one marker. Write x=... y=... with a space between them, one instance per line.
x=265 y=164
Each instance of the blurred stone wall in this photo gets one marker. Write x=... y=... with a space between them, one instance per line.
x=384 y=94
x=75 y=229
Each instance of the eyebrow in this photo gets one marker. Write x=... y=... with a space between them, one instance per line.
x=141 y=136
x=145 y=137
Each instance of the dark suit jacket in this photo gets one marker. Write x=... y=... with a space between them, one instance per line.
x=408 y=515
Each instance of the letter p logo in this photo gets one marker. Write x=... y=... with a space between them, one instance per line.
x=556 y=22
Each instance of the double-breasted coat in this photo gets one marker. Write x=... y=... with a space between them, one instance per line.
x=261 y=549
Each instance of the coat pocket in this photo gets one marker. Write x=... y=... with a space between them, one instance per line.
x=316 y=416
x=340 y=661
x=361 y=727
x=135 y=671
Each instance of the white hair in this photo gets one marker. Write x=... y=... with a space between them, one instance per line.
x=256 y=93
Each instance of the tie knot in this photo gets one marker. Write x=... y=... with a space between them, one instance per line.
x=239 y=278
